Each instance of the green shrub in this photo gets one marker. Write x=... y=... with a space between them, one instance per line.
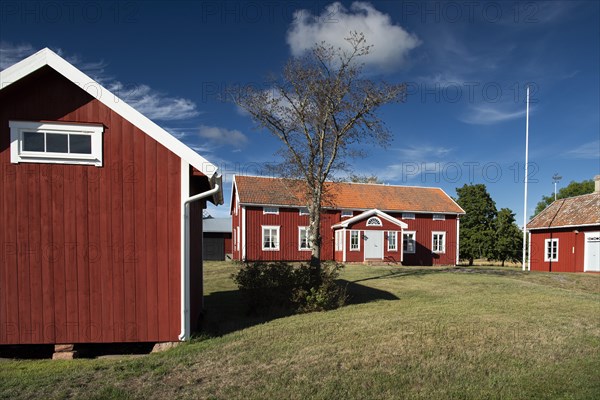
x=279 y=287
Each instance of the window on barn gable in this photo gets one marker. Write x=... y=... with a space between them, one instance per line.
x=374 y=221
x=56 y=143
x=439 y=217
x=354 y=240
x=304 y=211
x=270 y=238
x=347 y=213
x=408 y=215
x=551 y=250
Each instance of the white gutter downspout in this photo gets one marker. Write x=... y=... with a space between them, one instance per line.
x=529 y=254
x=185 y=267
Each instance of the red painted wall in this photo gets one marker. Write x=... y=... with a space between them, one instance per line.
x=571 y=247
x=88 y=254
x=424 y=225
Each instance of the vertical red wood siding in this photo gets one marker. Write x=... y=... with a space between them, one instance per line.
x=571 y=248
x=88 y=254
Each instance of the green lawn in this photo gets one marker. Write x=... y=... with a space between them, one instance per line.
x=409 y=332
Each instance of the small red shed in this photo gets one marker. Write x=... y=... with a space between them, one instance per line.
x=565 y=237
x=359 y=222
x=101 y=214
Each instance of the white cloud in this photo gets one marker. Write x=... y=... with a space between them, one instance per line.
x=11 y=54
x=391 y=42
x=412 y=153
x=148 y=101
x=590 y=150
x=488 y=115
x=222 y=136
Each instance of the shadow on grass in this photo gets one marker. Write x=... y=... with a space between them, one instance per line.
x=227 y=312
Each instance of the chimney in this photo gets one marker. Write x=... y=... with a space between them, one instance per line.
x=597 y=183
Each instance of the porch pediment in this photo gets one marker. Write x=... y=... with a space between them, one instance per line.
x=368 y=214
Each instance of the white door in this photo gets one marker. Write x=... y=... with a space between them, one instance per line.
x=373 y=245
x=591 y=258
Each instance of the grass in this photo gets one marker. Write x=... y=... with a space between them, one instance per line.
x=409 y=332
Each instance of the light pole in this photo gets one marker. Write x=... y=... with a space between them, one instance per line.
x=555 y=179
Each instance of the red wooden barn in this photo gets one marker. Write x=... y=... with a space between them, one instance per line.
x=360 y=222
x=565 y=237
x=101 y=214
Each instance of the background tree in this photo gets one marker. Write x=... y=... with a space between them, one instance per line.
x=477 y=230
x=571 y=190
x=321 y=108
x=508 y=243
x=364 y=179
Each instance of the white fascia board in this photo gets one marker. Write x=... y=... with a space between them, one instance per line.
x=47 y=57
x=562 y=227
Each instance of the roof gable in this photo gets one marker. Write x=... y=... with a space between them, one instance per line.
x=47 y=57
x=573 y=211
x=254 y=190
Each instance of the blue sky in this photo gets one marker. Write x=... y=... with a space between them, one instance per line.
x=466 y=65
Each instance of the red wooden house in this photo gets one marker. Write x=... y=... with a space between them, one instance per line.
x=101 y=214
x=565 y=237
x=360 y=222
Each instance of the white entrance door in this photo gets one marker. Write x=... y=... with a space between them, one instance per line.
x=591 y=258
x=373 y=245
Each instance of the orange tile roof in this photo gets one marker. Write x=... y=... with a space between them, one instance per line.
x=357 y=196
x=572 y=211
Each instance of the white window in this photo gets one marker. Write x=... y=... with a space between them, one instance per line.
x=551 y=250
x=304 y=211
x=42 y=142
x=347 y=213
x=408 y=215
x=438 y=242
x=409 y=242
x=374 y=221
x=238 y=239
x=270 y=238
x=303 y=238
x=270 y=210
x=439 y=217
x=392 y=241
x=339 y=240
x=355 y=240
x=234 y=240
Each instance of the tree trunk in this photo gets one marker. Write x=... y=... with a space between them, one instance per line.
x=470 y=262
x=503 y=263
x=314 y=231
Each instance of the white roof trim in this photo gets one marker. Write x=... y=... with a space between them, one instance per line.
x=47 y=57
x=367 y=214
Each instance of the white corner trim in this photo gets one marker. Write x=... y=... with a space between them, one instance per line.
x=185 y=267
x=243 y=233
x=344 y=244
x=457 y=241
x=47 y=57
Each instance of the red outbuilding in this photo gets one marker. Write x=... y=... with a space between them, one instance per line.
x=360 y=222
x=101 y=214
x=565 y=237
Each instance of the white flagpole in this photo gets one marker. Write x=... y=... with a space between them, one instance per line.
x=526 y=179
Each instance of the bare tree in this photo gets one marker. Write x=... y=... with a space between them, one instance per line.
x=322 y=109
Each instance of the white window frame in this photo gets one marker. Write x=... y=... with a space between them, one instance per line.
x=272 y=228
x=443 y=249
x=238 y=239
x=393 y=234
x=339 y=240
x=300 y=230
x=408 y=215
x=234 y=240
x=548 y=245
x=439 y=217
x=357 y=248
x=414 y=240
x=271 y=210
x=347 y=213
x=374 y=221
x=18 y=155
x=303 y=211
